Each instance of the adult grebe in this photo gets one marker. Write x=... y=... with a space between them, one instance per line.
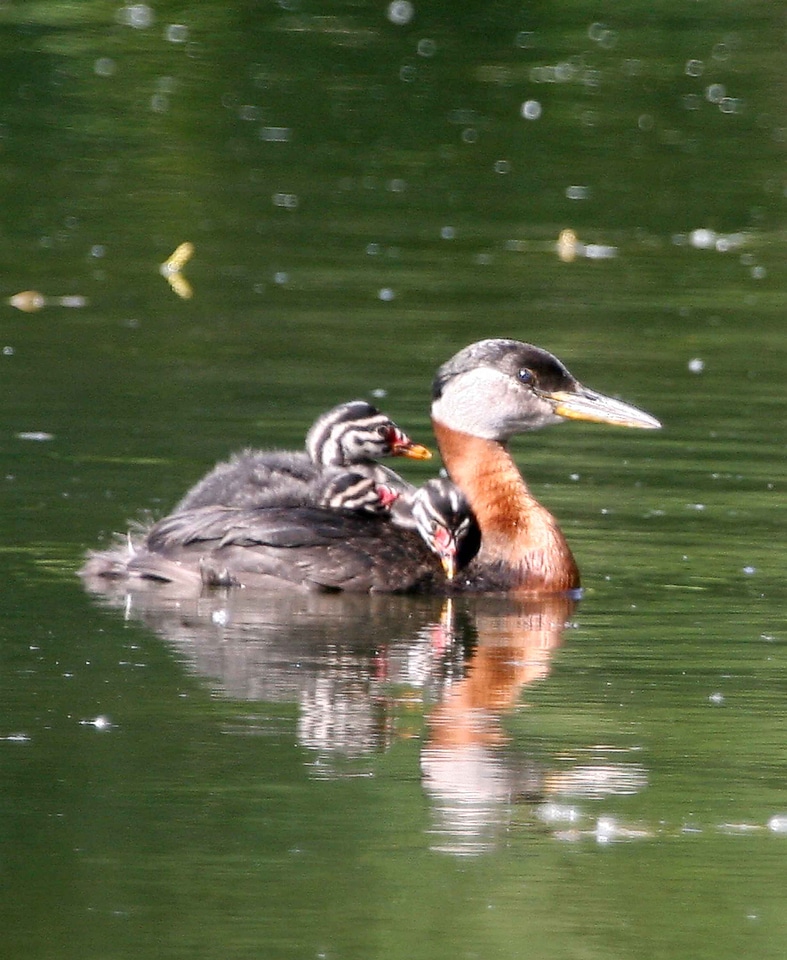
x=483 y=396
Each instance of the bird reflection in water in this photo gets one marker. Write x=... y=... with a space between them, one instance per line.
x=370 y=671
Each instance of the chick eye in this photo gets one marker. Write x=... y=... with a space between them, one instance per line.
x=526 y=376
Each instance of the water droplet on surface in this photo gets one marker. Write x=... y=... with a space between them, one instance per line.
x=176 y=33
x=104 y=67
x=400 y=12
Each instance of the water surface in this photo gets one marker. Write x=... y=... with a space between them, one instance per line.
x=368 y=189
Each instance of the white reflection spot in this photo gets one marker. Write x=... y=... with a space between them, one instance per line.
x=386 y=294
x=715 y=92
x=426 y=47
x=702 y=239
x=289 y=201
x=136 y=15
x=696 y=365
x=531 y=110
x=524 y=39
x=104 y=67
x=176 y=33
x=275 y=134
x=400 y=12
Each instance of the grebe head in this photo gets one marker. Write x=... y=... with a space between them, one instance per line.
x=446 y=523
x=357 y=432
x=494 y=389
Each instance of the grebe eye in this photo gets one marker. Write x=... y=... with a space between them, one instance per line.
x=526 y=376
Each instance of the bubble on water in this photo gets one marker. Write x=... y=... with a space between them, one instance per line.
x=778 y=823
x=289 y=201
x=275 y=134
x=379 y=392
x=8 y=351
x=386 y=294
x=502 y=166
x=565 y=71
x=159 y=103
x=645 y=122
x=596 y=31
x=373 y=249
x=696 y=365
x=407 y=73
x=758 y=273
x=400 y=12
x=136 y=15
x=691 y=101
x=104 y=67
x=749 y=571
x=469 y=135
x=694 y=68
x=397 y=185
x=248 y=112
x=608 y=39
x=426 y=47
x=715 y=92
x=716 y=698
x=525 y=39
x=281 y=277
x=720 y=52
x=730 y=105
x=176 y=33
x=531 y=110
x=447 y=233
x=577 y=192
x=98 y=250
x=39 y=436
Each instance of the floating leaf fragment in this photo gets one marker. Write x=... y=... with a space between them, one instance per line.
x=30 y=301
x=172 y=267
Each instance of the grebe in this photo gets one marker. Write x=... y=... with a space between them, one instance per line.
x=487 y=393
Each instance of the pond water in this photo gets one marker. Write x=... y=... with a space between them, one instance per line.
x=367 y=188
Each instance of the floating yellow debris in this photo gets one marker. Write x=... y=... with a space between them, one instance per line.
x=30 y=301
x=567 y=244
x=569 y=248
x=171 y=270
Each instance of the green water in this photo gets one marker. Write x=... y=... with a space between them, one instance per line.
x=355 y=777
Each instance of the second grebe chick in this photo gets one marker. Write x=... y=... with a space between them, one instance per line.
x=349 y=434
x=440 y=513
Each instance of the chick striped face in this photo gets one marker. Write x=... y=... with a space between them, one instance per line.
x=357 y=432
x=443 y=518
